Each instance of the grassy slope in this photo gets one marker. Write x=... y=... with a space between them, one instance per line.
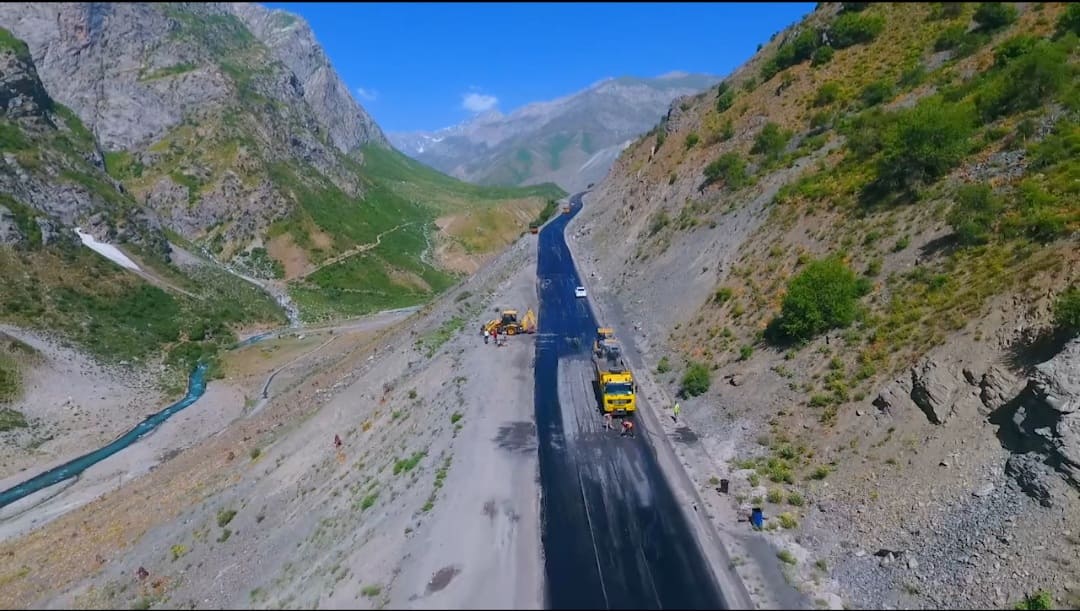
x=864 y=203
x=407 y=195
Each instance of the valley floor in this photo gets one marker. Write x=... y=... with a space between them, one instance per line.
x=431 y=500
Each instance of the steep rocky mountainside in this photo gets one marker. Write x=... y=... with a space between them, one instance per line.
x=52 y=182
x=857 y=259
x=228 y=122
x=571 y=141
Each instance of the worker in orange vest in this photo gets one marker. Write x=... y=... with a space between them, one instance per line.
x=627 y=427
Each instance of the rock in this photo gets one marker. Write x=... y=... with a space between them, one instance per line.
x=1057 y=381
x=894 y=396
x=858 y=412
x=735 y=379
x=997 y=387
x=934 y=388
x=1033 y=476
x=912 y=564
x=9 y=228
x=970 y=377
x=984 y=491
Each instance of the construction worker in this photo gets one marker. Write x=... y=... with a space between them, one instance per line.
x=627 y=428
x=675 y=412
x=485 y=336
x=608 y=421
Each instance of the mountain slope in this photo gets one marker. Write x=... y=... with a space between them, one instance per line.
x=228 y=122
x=570 y=141
x=848 y=257
x=52 y=181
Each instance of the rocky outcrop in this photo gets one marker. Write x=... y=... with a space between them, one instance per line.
x=1047 y=419
x=1057 y=381
x=1035 y=478
x=997 y=386
x=291 y=40
x=894 y=396
x=9 y=228
x=935 y=389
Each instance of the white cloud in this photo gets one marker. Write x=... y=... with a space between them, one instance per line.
x=368 y=95
x=478 y=102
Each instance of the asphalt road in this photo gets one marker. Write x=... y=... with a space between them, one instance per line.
x=613 y=535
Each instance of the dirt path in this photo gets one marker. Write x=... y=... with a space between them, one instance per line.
x=352 y=252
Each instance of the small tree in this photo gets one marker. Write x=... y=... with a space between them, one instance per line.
x=771 y=141
x=974 y=214
x=729 y=168
x=824 y=295
x=994 y=15
x=852 y=28
x=691 y=140
x=923 y=143
x=1067 y=311
x=696 y=380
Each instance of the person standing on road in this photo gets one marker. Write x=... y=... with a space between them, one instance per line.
x=607 y=421
x=675 y=412
x=485 y=336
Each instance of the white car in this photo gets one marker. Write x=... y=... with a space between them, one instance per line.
x=579 y=291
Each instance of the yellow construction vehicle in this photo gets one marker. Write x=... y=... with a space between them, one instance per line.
x=614 y=380
x=508 y=323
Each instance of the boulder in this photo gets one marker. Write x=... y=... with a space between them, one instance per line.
x=1057 y=381
x=894 y=396
x=1034 y=476
x=935 y=389
x=997 y=387
x=9 y=228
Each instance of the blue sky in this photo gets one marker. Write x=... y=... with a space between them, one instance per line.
x=425 y=66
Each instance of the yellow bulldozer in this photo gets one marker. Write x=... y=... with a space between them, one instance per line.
x=508 y=323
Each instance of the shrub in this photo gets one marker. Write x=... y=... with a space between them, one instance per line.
x=1067 y=311
x=745 y=352
x=696 y=380
x=851 y=29
x=820 y=472
x=1070 y=20
x=725 y=97
x=659 y=221
x=875 y=93
x=691 y=140
x=795 y=499
x=951 y=9
x=994 y=15
x=722 y=294
x=775 y=496
x=786 y=556
x=664 y=365
x=1027 y=81
x=974 y=214
x=225 y=516
x=950 y=38
x=1038 y=601
x=823 y=296
x=923 y=143
x=853 y=7
x=770 y=141
x=1014 y=47
x=822 y=56
x=827 y=93
x=729 y=168
x=787 y=521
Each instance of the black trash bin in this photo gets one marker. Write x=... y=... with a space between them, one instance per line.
x=723 y=486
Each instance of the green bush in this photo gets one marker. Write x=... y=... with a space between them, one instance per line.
x=770 y=141
x=875 y=93
x=824 y=295
x=994 y=15
x=691 y=140
x=822 y=56
x=1070 y=20
x=745 y=352
x=852 y=29
x=1014 y=47
x=722 y=294
x=921 y=144
x=11 y=419
x=696 y=380
x=725 y=97
x=775 y=496
x=1038 y=601
x=664 y=365
x=974 y=214
x=950 y=38
x=1029 y=78
x=659 y=221
x=1067 y=311
x=729 y=168
x=827 y=93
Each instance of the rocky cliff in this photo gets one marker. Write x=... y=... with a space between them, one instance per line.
x=571 y=141
x=847 y=258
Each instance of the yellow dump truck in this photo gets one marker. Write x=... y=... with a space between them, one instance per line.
x=614 y=380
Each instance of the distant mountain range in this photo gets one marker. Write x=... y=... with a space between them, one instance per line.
x=571 y=141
